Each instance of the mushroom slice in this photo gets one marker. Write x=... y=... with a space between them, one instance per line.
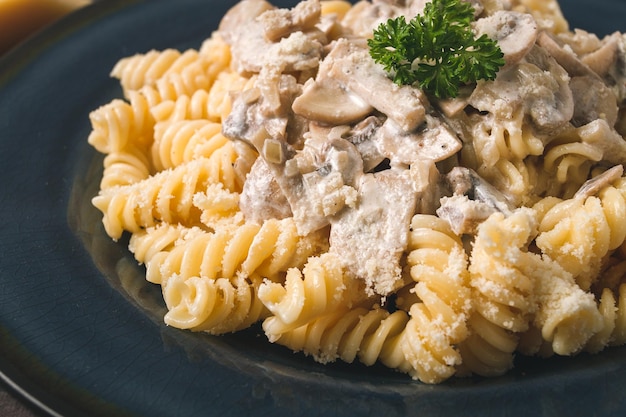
x=281 y=22
x=472 y=202
x=537 y=84
x=515 y=33
x=327 y=102
x=549 y=100
x=564 y=56
x=261 y=198
x=434 y=140
x=350 y=63
x=593 y=99
x=603 y=137
x=464 y=181
x=604 y=58
x=594 y=185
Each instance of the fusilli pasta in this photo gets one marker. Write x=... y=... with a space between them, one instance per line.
x=276 y=175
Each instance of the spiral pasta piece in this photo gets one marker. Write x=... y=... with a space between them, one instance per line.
x=509 y=138
x=367 y=334
x=569 y=166
x=243 y=250
x=216 y=53
x=438 y=265
x=579 y=232
x=119 y=124
x=183 y=141
x=219 y=207
x=566 y=316
x=125 y=167
x=185 y=107
x=214 y=306
x=502 y=293
x=337 y=8
x=149 y=242
x=610 y=309
x=166 y=196
x=139 y=70
x=319 y=289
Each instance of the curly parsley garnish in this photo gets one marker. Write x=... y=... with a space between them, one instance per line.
x=436 y=50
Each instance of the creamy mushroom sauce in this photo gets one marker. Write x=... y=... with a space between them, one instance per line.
x=341 y=145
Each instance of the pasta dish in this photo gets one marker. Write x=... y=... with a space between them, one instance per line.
x=277 y=175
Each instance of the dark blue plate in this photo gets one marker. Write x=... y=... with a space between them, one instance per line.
x=81 y=332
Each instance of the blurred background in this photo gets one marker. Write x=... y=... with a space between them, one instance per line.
x=18 y=20
x=21 y=18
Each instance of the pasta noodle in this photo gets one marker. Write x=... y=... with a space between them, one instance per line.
x=215 y=306
x=277 y=177
x=179 y=142
x=438 y=321
x=370 y=334
x=320 y=289
x=125 y=167
x=502 y=293
x=578 y=233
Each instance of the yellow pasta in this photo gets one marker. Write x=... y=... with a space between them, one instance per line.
x=146 y=69
x=370 y=335
x=125 y=167
x=118 y=124
x=219 y=100
x=320 y=289
x=179 y=142
x=502 y=293
x=167 y=196
x=244 y=249
x=214 y=306
x=579 y=232
x=438 y=265
x=254 y=177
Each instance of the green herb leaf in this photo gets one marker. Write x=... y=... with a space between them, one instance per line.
x=436 y=50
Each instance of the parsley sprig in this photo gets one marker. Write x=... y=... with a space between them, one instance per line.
x=436 y=50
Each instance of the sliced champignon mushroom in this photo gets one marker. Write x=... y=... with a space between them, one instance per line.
x=538 y=84
x=241 y=15
x=326 y=101
x=515 y=33
x=603 y=137
x=605 y=57
x=372 y=236
x=549 y=100
x=261 y=198
x=316 y=196
x=466 y=181
x=593 y=186
x=278 y=23
x=362 y=135
x=251 y=50
x=473 y=200
x=427 y=181
x=434 y=140
x=264 y=111
x=350 y=64
x=463 y=214
x=563 y=55
x=593 y=99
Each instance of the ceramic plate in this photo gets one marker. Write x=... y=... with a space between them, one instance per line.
x=81 y=332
